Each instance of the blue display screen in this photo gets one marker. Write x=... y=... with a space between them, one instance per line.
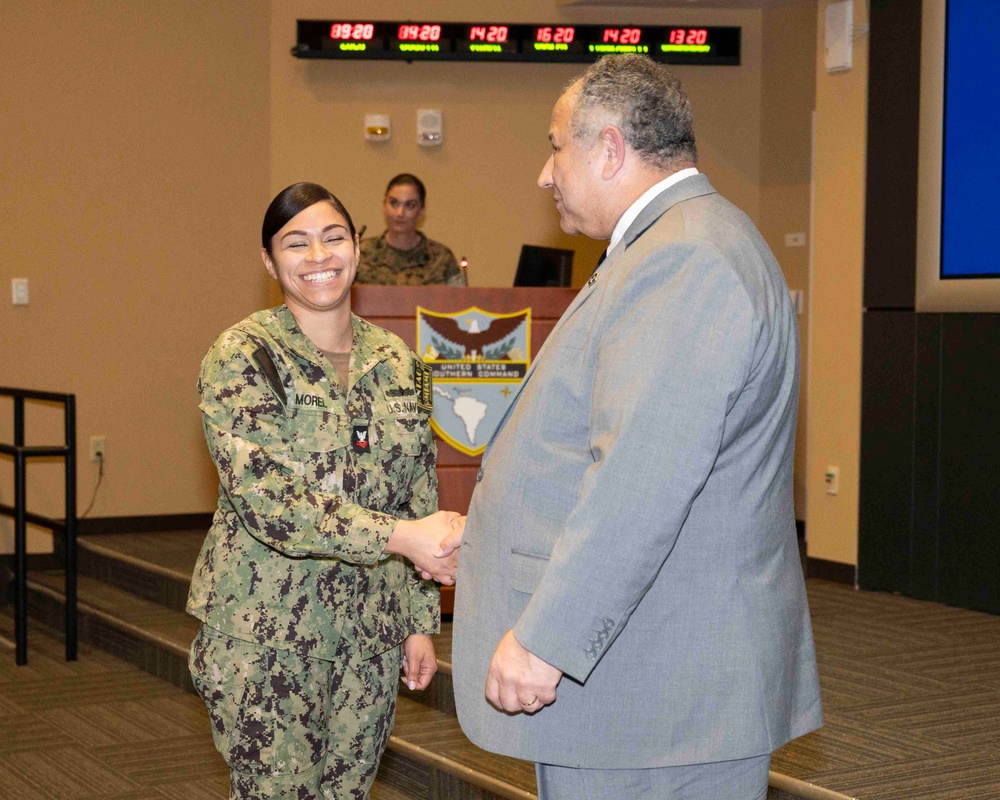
x=970 y=208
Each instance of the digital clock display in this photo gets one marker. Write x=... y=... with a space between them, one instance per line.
x=556 y=35
x=688 y=36
x=358 y=31
x=496 y=34
x=687 y=40
x=419 y=33
x=622 y=35
x=486 y=41
x=496 y=41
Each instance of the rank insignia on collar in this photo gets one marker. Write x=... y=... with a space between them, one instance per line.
x=593 y=279
x=359 y=439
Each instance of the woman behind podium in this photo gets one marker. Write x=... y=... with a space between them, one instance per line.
x=402 y=255
x=308 y=610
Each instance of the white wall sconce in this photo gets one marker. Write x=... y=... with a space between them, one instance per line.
x=378 y=127
x=430 y=131
x=839 y=32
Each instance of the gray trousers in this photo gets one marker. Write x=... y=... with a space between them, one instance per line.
x=744 y=779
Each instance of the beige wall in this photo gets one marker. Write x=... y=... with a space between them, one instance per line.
x=140 y=149
x=834 y=406
x=788 y=98
x=135 y=168
x=482 y=197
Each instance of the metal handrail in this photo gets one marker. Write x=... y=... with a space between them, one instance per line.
x=22 y=516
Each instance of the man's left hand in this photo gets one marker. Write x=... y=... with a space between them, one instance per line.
x=518 y=680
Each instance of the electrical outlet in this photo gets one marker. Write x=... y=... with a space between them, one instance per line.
x=832 y=479
x=19 y=291
x=97 y=449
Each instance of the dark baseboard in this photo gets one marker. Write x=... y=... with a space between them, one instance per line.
x=36 y=561
x=831 y=571
x=144 y=524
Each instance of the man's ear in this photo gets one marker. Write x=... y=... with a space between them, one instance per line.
x=268 y=264
x=612 y=151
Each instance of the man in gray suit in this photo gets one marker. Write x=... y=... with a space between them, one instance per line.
x=629 y=589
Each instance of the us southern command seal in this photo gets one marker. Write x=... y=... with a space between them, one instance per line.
x=477 y=359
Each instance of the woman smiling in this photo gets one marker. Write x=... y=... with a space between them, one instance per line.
x=309 y=610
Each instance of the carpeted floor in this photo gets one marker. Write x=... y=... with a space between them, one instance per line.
x=911 y=692
x=101 y=728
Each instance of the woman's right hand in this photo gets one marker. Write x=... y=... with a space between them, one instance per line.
x=419 y=540
x=448 y=546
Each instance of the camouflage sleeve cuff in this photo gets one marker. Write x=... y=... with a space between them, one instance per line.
x=366 y=538
x=425 y=608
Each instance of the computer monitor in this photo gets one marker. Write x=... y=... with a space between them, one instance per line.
x=544 y=266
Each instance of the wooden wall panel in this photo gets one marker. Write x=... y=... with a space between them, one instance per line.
x=891 y=168
x=394 y=308
x=455 y=487
x=885 y=508
x=924 y=546
x=969 y=551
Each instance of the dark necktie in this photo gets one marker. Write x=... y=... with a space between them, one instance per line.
x=597 y=266
x=604 y=254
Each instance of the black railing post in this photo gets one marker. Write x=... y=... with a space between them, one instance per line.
x=70 y=530
x=19 y=511
x=20 y=561
x=18 y=422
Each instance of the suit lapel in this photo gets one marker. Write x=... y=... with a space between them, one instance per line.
x=687 y=189
x=582 y=296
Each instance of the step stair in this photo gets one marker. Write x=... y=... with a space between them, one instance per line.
x=151 y=636
x=131 y=594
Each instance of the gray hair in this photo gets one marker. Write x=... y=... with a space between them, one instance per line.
x=644 y=100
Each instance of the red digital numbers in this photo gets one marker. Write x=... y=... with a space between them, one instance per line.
x=488 y=33
x=622 y=35
x=557 y=35
x=419 y=33
x=688 y=36
x=348 y=30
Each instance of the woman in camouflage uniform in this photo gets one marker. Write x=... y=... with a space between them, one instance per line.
x=318 y=423
x=402 y=255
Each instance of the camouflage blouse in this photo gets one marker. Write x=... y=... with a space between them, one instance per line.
x=312 y=483
x=428 y=263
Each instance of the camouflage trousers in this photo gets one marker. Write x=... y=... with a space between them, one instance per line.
x=293 y=727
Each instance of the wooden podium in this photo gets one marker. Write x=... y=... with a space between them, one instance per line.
x=395 y=308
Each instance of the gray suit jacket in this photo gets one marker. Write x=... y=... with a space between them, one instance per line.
x=633 y=520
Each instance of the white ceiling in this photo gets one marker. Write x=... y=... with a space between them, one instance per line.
x=675 y=4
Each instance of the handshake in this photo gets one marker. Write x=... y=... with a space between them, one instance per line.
x=431 y=543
